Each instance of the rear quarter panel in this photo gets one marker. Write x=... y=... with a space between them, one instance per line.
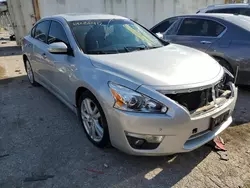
x=233 y=46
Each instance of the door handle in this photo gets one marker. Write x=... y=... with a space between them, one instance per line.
x=205 y=42
x=44 y=55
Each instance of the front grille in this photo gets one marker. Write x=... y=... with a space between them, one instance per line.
x=193 y=100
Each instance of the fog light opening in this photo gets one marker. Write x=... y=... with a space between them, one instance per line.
x=139 y=141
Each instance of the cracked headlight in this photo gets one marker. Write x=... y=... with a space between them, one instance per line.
x=130 y=100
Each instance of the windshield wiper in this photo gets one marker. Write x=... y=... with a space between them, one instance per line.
x=153 y=47
x=134 y=48
x=96 y=52
x=102 y=51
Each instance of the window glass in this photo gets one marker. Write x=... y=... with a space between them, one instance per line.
x=226 y=11
x=41 y=31
x=200 y=27
x=242 y=11
x=162 y=27
x=57 y=33
x=112 y=36
x=245 y=11
x=173 y=28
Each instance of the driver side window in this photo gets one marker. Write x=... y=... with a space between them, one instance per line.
x=41 y=31
x=163 y=26
x=57 y=34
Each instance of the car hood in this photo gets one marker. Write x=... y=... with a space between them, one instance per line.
x=172 y=65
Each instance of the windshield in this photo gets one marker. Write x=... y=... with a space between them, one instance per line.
x=112 y=36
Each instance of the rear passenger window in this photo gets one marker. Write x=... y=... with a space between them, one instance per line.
x=57 y=33
x=200 y=27
x=41 y=31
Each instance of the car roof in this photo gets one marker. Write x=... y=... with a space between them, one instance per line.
x=81 y=16
x=225 y=6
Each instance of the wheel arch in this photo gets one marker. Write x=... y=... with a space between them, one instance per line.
x=218 y=58
x=25 y=58
x=78 y=93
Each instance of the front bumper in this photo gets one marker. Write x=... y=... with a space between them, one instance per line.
x=177 y=129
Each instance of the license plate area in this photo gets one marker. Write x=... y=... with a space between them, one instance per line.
x=218 y=119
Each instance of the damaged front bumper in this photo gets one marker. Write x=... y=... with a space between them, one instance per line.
x=180 y=130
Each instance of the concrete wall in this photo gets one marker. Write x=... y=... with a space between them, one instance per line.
x=22 y=17
x=146 y=12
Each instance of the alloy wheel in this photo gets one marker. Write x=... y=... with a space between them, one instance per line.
x=91 y=118
x=29 y=73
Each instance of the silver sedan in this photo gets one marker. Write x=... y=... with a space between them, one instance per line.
x=128 y=87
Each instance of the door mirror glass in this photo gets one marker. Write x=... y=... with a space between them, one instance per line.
x=159 y=35
x=58 y=48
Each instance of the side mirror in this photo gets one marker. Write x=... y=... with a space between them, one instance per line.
x=58 y=48
x=159 y=35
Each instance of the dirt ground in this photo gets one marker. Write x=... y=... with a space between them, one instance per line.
x=43 y=145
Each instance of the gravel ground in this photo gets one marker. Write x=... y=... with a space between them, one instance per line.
x=40 y=139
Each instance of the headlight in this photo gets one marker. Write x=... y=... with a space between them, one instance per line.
x=129 y=100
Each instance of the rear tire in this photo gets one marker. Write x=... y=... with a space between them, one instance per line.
x=30 y=73
x=93 y=120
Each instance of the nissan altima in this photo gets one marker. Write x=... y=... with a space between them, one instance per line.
x=129 y=88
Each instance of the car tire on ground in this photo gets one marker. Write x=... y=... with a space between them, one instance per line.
x=30 y=73
x=93 y=120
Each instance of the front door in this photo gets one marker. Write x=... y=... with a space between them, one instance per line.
x=62 y=65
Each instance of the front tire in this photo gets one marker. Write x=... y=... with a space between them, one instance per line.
x=93 y=120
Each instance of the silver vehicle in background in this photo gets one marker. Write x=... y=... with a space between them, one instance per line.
x=130 y=88
x=236 y=8
x=223 y=36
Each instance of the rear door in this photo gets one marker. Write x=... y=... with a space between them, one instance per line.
x=40 y=46
x=199 y=33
